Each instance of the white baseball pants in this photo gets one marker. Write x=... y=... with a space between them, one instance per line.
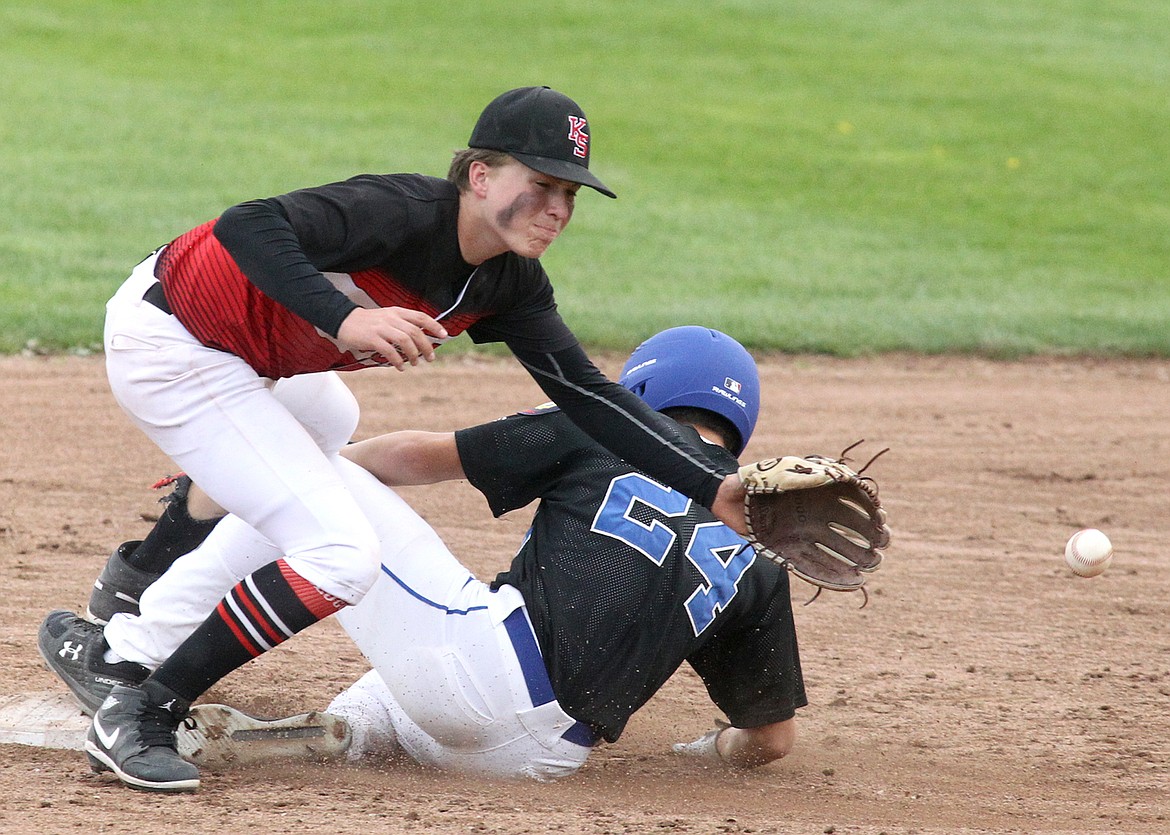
x=261 y=456
x=458 y=682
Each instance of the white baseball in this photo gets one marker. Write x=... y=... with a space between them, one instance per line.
x=1088 y=552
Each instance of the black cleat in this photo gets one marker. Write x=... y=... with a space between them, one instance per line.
x=133 y=735
x=119 y=586
x=74 y=649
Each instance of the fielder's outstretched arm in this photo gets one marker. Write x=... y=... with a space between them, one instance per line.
x=410 y=457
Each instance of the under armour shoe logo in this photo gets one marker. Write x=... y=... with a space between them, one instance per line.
x=71 y=650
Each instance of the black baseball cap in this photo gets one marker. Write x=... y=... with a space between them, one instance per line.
x=542 y=128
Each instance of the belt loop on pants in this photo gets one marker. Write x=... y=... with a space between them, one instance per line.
x=536 y=675
x=155 y=295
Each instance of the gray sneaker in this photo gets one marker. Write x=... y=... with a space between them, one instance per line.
x=74 y=649
x=119 y=586
x=133 y=735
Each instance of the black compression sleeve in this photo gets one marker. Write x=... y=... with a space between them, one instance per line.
x=621 y=422
x=258 y=235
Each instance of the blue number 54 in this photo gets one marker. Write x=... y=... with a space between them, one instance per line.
x=719 y=554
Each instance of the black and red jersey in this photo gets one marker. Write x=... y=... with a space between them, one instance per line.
x=625 y=579
x=379 y=241
x=272 y=280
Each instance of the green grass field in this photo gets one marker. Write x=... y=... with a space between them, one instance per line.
x=841 y=176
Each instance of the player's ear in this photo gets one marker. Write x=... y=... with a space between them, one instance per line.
x=478 y=174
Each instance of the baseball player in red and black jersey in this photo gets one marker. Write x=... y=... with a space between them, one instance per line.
x=373 y=271
x=618 y=582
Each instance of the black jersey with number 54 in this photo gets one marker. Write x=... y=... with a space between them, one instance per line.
x=625 y=579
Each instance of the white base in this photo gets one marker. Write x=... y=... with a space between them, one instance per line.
x=46 y=720
x=215 y=735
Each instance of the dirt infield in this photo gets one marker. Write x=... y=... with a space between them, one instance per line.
x=983 y=689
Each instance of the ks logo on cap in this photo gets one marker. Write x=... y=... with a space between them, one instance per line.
x=578 y=136
x=529 y=124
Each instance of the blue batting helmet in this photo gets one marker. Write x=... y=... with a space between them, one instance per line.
x=701 y=368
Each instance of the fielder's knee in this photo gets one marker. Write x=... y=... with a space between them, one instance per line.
x=344 y=570
x=323 y=405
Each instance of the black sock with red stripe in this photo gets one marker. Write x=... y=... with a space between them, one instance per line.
x=264 y=609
